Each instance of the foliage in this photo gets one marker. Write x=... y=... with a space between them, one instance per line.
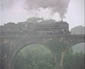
x=74 y=61
x=42 y=57
x=34 y=57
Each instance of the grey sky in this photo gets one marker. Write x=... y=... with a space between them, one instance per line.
x=16 y=12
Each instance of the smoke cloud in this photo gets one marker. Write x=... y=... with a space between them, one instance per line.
x=59 y=6
x=16 y=9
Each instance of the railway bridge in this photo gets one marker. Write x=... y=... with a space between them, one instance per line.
x=14 y=37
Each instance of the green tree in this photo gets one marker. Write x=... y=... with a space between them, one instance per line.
x=34 y=57
x=74 y=61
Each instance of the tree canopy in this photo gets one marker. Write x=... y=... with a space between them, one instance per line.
x=34 y=57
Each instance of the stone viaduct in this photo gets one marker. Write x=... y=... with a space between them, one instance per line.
x=14 y=37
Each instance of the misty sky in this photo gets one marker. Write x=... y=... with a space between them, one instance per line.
x=15 y=11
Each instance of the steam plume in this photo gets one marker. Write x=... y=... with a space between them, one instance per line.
x=46 y=7
x=59 y=6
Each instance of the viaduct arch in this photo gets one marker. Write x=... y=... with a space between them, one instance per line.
x=15 y=39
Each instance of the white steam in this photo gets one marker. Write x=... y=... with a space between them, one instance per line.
x=59 y=6
x=19 y=10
